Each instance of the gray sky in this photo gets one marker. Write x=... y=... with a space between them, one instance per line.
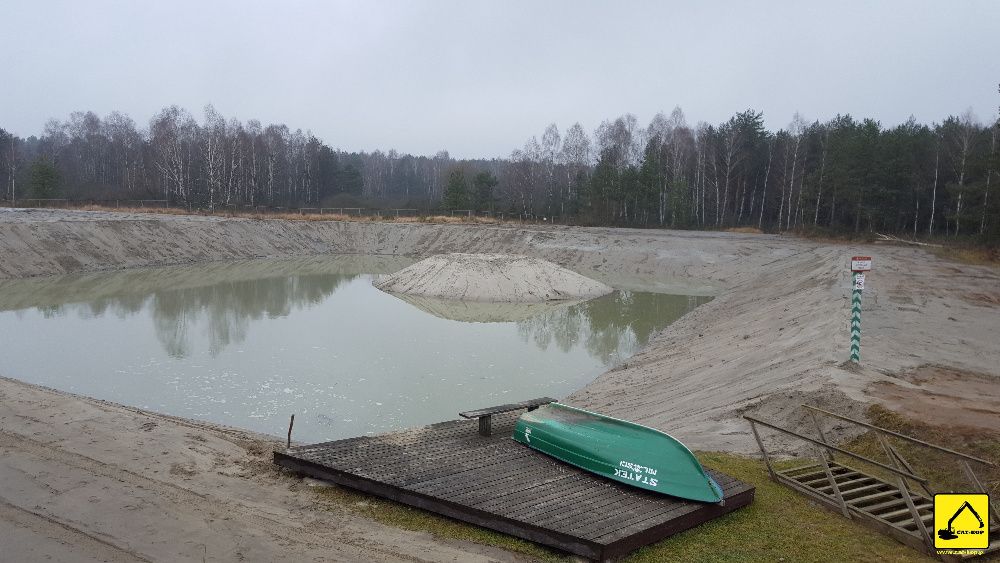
x=479 y=78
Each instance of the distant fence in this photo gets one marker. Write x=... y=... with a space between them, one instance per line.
x=372 y=212
x=71 y=203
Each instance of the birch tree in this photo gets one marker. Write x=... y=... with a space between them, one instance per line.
x=549 y=152
x=962 y=133
x=990 y=164
x=576 y=156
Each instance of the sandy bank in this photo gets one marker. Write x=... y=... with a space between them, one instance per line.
x=490 y=278
x=84 y=480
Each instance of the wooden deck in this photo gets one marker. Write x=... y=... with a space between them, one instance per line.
x=497 y=483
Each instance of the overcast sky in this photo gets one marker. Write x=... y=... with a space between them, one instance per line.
x=479 y=78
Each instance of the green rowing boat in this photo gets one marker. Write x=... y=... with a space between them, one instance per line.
x=624 y=451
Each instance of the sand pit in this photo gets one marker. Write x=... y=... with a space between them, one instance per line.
x=775 y=336
x=491 y=278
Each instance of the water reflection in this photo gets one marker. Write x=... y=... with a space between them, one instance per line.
x=224 y=297
x=95 y=287
x=228 y=309
x=248 y=343
x=473 y=312
x=611 y=327
x=227 y=298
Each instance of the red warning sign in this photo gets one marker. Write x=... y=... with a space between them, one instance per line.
x=861 y=263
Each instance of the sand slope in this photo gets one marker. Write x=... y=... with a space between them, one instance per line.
x=491 y=278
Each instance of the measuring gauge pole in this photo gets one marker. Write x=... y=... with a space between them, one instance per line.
x=859 y=265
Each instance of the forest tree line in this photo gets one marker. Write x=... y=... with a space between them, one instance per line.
x=846 y=175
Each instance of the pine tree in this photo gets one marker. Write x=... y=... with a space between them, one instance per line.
x=45 y=179
x=456 y=193
x=482 y=191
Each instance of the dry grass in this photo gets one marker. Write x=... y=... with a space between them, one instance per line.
x=975 y=256
x=157 y=210
x=296 y=216
x=458 y=219
x=829 y=236
x=944 y=471
x=745 y=230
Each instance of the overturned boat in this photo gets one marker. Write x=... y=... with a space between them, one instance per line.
x=624 y=451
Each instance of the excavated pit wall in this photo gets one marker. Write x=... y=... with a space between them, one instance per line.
x=39 y=243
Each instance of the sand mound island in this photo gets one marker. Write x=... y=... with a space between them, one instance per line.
x=491 y=278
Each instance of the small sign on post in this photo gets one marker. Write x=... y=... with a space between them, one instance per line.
x=859 y=265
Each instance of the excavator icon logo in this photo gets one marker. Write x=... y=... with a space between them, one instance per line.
x=961 y=521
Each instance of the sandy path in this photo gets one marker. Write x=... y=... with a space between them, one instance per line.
x=775 y=336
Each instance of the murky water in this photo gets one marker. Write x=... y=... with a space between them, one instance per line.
x=249 y=343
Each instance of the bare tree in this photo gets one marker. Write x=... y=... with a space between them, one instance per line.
x=937 y=162
x=822 y=170
x=550 y=151
x=796 y=129
x=767 y=174
x=576 y=156
x=173 y=139
x=963 y=132
x=990 y=163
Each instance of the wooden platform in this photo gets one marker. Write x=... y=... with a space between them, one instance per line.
x=497 y=483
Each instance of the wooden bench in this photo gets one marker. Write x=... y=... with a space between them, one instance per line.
x=485 y=415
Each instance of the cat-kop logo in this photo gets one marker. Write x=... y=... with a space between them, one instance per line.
x=961 y=521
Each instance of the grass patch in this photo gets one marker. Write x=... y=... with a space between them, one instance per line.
x=780 y=525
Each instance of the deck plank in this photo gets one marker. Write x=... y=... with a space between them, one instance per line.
x=495 y=482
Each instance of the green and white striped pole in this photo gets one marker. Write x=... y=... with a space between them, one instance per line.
x=859 y=280
x=859 y=265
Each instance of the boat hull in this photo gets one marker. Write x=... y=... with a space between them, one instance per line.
x=623 y=451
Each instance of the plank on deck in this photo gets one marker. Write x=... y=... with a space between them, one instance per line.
x=497 y=483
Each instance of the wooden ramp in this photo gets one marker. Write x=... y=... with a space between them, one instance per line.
x=880 y=503
x=875 y=502
x=494 y=482
x=894 y=508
